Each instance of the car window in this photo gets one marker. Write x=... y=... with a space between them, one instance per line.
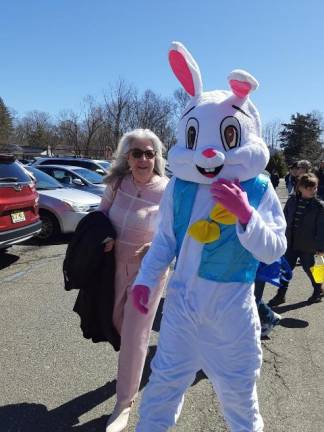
x=89 y=165
x=43 y=180
x=63 y=176
x=91 y=176
x=58 y=173
x=46 y=170
x=12 y=172
x=105 y=165
x=48 y=162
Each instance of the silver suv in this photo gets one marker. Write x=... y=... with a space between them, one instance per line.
x=99 y=166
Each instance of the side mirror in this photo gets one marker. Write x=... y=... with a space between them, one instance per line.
x=78 y=182
x=100 y=171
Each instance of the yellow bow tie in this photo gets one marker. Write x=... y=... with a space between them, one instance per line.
x=205 y=231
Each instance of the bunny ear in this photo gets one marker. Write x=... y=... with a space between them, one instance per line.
x=242 y=83
x=185 y=69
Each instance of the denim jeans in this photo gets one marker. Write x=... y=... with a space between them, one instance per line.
x=265 y=312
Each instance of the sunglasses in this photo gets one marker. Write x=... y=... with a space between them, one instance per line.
x=138 y=153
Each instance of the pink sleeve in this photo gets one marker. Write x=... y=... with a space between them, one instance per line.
x=106 y=200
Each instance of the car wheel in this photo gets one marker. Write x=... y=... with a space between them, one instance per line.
x=50 y=226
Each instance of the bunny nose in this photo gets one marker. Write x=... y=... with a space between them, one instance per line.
x=209 y=153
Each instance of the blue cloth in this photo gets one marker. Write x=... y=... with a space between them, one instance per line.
x=266 y=314
x=274 y=273
x=224 y=260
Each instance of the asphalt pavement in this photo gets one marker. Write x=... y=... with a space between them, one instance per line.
x=53 y=380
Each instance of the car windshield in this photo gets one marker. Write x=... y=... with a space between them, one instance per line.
x=44 y=181
x=91 y=176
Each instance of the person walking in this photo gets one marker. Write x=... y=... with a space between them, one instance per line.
x=320 y=176
x=275 y=179
x=303 y=167
x=135 y=185
x=305 y=234
x=271 y=273
x=290 y=178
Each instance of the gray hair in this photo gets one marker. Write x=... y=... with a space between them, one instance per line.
x=120 y=167
x=305 y=164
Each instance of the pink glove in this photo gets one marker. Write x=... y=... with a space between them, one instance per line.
x=231 y=196
x=140 y=294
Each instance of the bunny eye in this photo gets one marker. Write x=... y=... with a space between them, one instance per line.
x=230 y=130
x=192 y=130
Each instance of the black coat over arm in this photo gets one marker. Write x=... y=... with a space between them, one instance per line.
x=90 y=270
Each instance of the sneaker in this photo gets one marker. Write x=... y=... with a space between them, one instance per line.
x=277 y=318
x=315 y=298
x=266 y=328
x=118 y=420
x=277 y=300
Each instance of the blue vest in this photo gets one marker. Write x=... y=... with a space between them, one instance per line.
x=224 y=260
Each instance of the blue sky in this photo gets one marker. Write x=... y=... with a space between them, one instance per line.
x=55 y=52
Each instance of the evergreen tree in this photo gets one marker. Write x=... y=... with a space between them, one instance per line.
x=277 y=163
x=300 y=139
x=5 y=123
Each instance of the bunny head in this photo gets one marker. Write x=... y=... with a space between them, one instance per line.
x=219 y=134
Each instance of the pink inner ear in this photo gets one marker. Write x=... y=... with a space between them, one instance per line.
x=182 y=71
x=240 y=88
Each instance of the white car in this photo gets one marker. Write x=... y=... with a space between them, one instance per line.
x=60 y=209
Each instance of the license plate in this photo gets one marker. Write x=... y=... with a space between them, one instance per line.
x=18 y=217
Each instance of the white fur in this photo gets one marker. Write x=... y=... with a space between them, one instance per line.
x=206 y=324
x=245 y=161
x=192 y=65
x=242 y=75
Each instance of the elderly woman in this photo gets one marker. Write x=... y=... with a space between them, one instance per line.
x=135 y=186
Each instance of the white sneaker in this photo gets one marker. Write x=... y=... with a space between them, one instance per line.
x=278 y=317
x=118 y=420
x=267 y=328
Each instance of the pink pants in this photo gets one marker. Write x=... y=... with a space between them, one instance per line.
x=134 y=329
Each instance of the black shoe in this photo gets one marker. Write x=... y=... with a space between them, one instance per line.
x=277 y=300
x=315 y=298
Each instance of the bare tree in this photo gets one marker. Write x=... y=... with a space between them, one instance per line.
x=154 y=112
x=118 y=107
x=181 y=100
x=271 y=134
x=70 y=131
x=103 y=142
x=34 y=129
x=93 y=120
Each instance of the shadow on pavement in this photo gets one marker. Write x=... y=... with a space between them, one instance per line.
x=33 y=417
x=293 y=323
x=6 y=259
x=293 y=306
x=58 y=240
x=158 y=316
x=200 y=376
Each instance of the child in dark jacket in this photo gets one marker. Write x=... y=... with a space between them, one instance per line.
x=305 y=233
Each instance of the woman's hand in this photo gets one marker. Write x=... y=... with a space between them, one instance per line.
x=109 y=245
x=141 y=252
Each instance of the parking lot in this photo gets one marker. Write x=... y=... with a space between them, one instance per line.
x=53 y=380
